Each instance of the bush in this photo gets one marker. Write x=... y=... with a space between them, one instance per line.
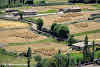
x=60 y=30
x=39 y=23
x=77 y=57
x=97 y=54
x=4 y=52
x=37 y=58
x=21 y=13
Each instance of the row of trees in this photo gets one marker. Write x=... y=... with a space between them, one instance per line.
x=57 y=60
x=15 y=3
x=88 y=54
x=64 y=60
x=84 y=1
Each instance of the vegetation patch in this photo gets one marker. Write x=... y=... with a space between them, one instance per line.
x=49 y=11
x=33 y=42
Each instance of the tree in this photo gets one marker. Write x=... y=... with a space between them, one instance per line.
x=21 y=13
x=86 y=51
x=39 y=24
x=42 y=2
x=28 y=55
x=2 y=65
x=62 y=60
x=60 y=30
x=53 y=26
x=70 y=41
x=38 y=60
x=93 y=51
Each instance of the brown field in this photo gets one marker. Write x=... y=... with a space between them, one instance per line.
x=68 y=17
x=83 y=27
x=91 y=37
x=9 y=33
x=5 y=24
x=45 y=49
x=19 y=35
x=46 y=8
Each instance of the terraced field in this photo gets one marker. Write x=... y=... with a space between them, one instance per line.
x=12 y=31
x=46 y=48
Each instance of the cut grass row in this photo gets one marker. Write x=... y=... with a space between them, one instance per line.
x=49 y=11
x=33 y=42
x=50 y=39
x=87 y=32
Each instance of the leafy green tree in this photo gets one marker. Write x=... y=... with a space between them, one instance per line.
x=53 y=26
x=60 y=30
x=29 y=55
x=39 y=23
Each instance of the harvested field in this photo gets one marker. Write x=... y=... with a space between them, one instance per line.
x=12 y=24
x=91 y=37
x=83 y=27
x=46 y=8
x=19 y=35
x=16 y=35
x=68 y=17
x=45 y=49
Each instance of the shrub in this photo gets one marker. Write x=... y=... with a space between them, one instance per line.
x=37 y=58
x=39 y=23
x=60 y=30
x=21 y=13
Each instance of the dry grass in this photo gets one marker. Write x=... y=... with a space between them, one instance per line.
x=83 y=27
x=46 y=8
x=45 y=49
x=68 y=17
x=16 y=35
x=11 y=24
x=19 y=35
x=95 y=36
